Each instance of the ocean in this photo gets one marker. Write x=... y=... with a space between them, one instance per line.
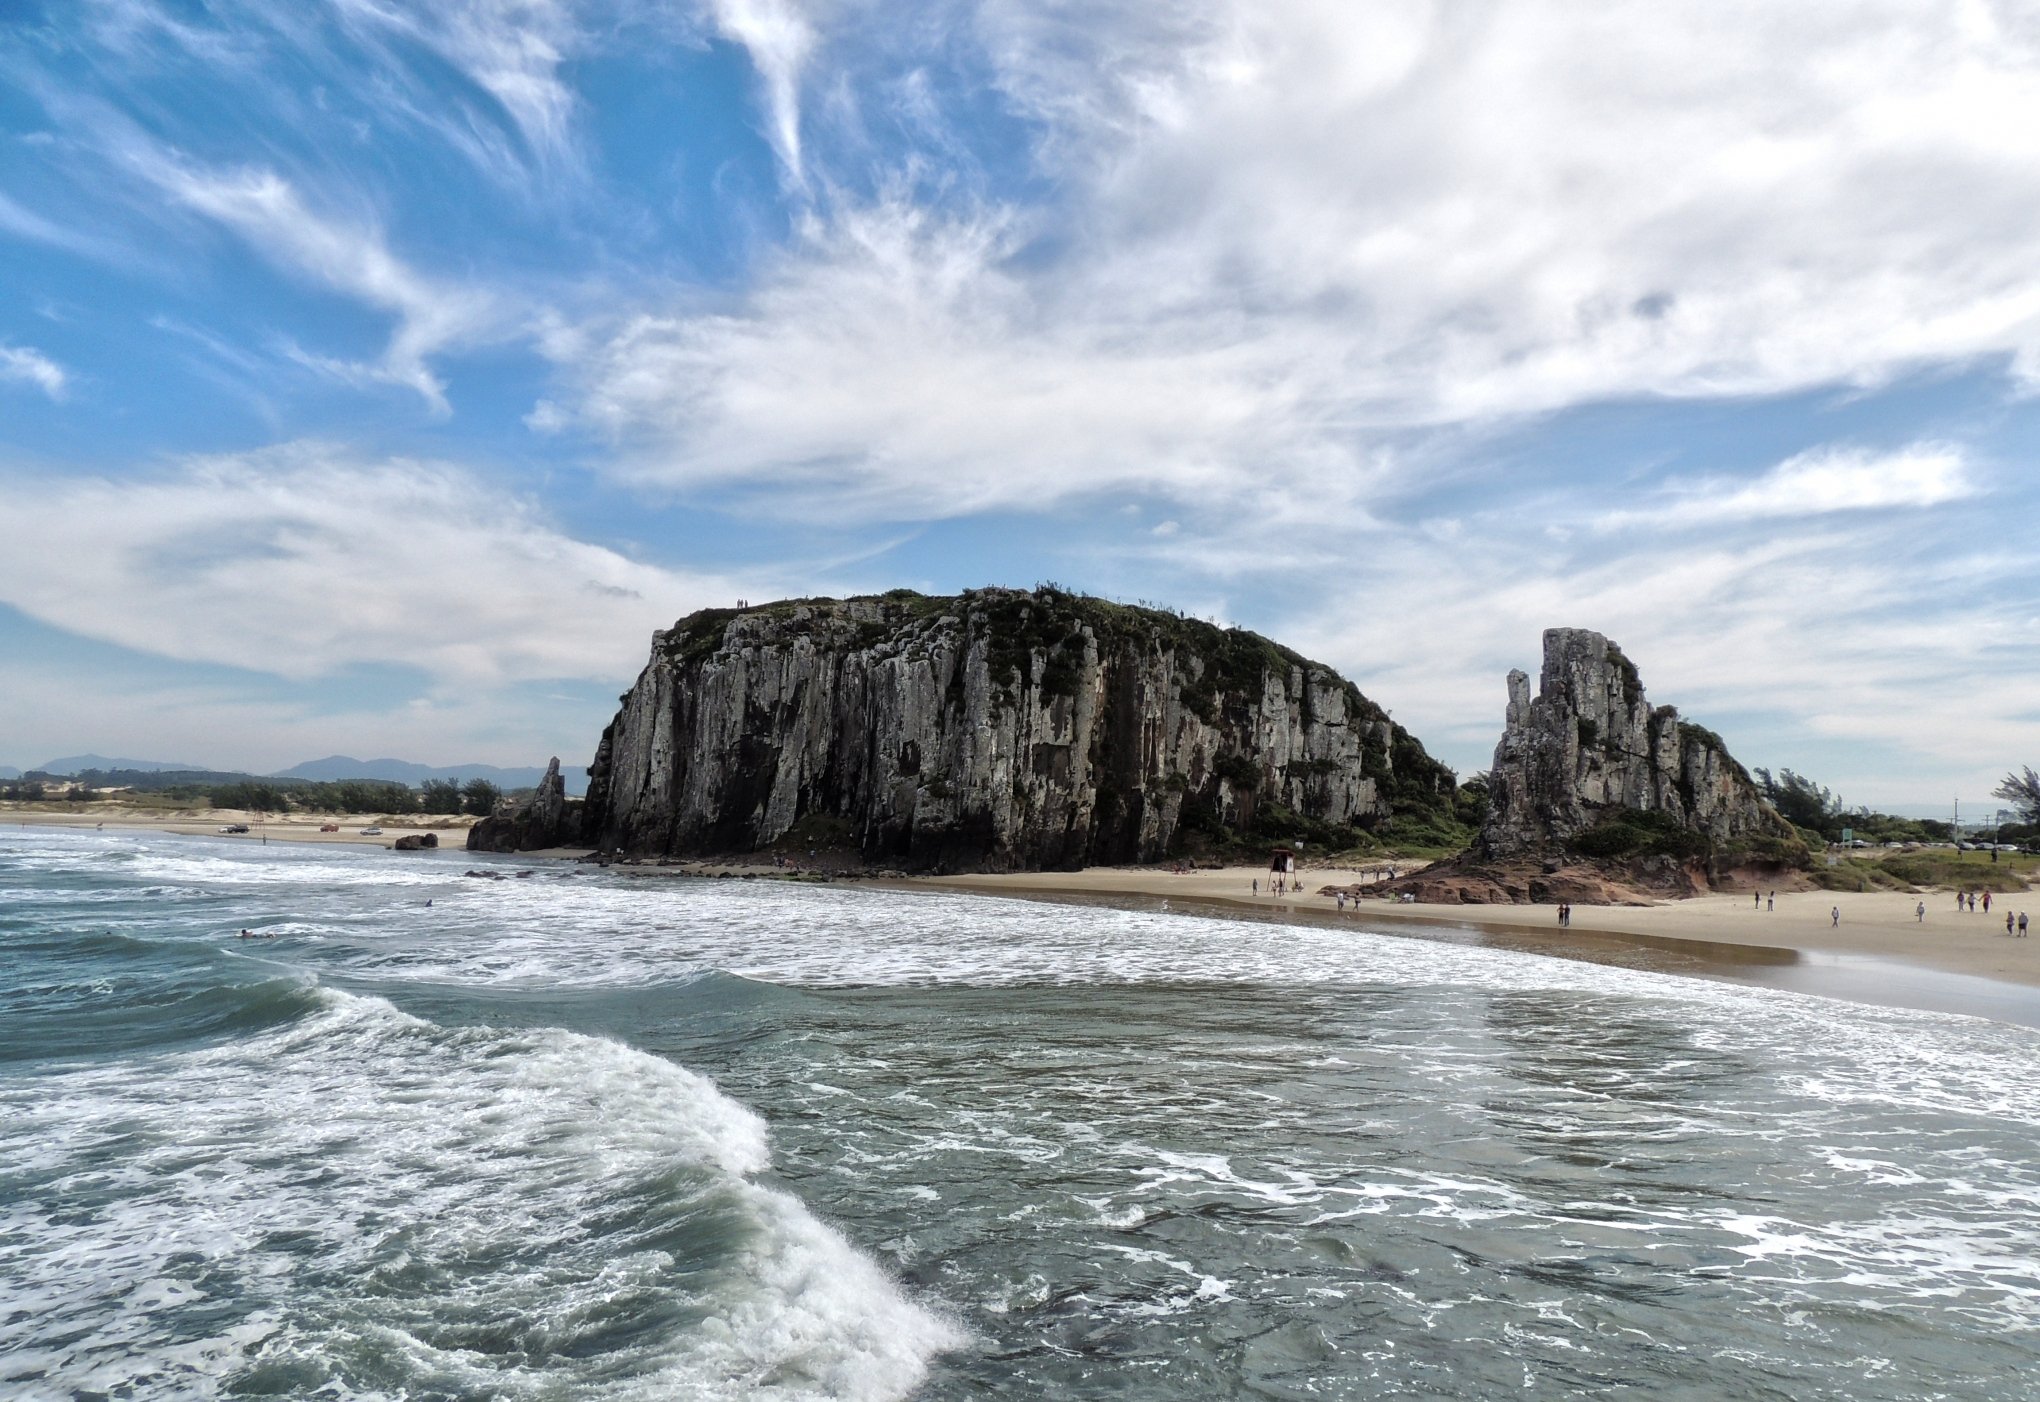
x=569 y=1135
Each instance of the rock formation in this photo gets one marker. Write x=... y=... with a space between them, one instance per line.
x=1000 y=729
x=547 y=819
x=1589 y=751
x=1598 y=798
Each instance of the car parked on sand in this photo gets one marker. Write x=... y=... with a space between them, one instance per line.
x=371 y=832
x=329 y=827
x=234 y=827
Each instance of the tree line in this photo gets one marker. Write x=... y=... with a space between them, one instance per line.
x=1819 y=811
x=448 y=797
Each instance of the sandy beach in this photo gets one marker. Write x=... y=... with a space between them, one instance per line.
x=1878 y=925
x=299 y=827
x=1880 y=952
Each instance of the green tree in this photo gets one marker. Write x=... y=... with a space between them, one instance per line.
x=481 y=796
x=369 y=796
x=439 y=796
x=1800 y=801
x=2022 y=791
x=250 y=797
x=1470 y=801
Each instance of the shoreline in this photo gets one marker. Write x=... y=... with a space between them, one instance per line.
x=1990 y=987
x=299 y=830
x=1881 y=954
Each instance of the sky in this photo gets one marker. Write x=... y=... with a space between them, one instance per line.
x=376 y=375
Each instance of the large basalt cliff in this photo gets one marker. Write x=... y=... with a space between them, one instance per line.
x=997 y=730
x=1590 y=754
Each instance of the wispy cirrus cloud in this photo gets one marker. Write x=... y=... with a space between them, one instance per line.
x=779 y=38
x=28 y=366
x=303 y=560
x=514 y=50
x=1819 y=482
x=352 y=257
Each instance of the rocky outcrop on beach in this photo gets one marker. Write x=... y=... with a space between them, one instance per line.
x=1595 y=794
x=1589 y=747
x=547 y=819
x=995 y=730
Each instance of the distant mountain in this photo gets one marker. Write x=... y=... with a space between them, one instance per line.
x=73 y=764
x=8 y=771
x=403 y=771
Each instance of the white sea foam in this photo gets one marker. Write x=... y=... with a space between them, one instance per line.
x=1571 y=1136
x=476 y=1204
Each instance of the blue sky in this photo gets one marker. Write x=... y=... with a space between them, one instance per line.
x=374 y=376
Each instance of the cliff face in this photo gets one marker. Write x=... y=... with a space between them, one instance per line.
x=997 y=730
x=1578 y=764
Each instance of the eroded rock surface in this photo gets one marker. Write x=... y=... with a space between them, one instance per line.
x=1000 y=729
x=548 y=819
x=1597 y=797
x=1589 y=746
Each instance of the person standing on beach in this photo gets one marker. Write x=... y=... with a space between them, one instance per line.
x=1835 y=917
x=1756 y=900
x=1771 y=901
x=1920 y=913
x=2008 y=922
x=2022 y=924
x=1986 y=902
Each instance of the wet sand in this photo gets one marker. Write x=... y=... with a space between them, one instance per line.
x=1880 y=953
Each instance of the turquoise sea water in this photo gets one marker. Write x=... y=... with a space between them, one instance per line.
x=570 y=1135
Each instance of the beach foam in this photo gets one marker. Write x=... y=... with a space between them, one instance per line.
x=364 y=1201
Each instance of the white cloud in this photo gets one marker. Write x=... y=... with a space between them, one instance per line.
x=303 y=560
x=25 y=365
x=25 y=223
x=352 y=258
x=1277 y=233
x=896 y=366
x=779 y=39
x=512 y=49
x=1814 y=483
